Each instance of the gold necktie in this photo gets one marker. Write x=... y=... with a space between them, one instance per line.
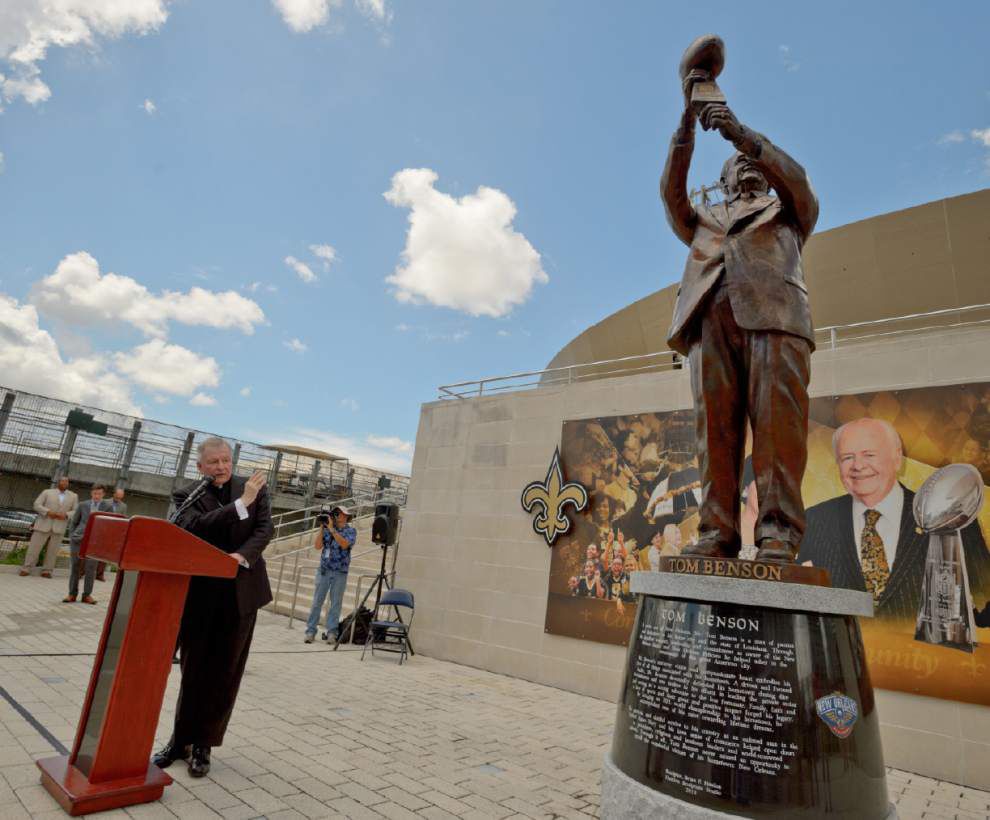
x=876 y=573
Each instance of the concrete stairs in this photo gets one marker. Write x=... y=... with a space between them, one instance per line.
x=293 y=562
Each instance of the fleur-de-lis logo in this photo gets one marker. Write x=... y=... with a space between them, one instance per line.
x=552 y=495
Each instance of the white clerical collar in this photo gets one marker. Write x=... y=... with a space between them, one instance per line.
x=890 y=507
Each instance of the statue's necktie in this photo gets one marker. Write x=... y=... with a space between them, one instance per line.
x=876 y=573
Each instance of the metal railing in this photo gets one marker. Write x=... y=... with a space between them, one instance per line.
x=623 y=366
x=829 y=337
x=364 y=508
x=33 y=430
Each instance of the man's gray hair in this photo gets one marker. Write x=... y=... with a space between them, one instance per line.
x=209 y=443
x=889 y=431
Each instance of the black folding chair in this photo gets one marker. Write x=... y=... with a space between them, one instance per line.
x=391 y=635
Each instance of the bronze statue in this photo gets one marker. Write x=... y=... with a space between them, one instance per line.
x=742 y=318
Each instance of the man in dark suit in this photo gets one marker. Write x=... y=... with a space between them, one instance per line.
x=77 y=528
x=218 y=621
x=743 y=321
x=118 y=506
x=868 y=539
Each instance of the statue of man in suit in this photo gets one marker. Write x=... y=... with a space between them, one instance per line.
x=743 y=321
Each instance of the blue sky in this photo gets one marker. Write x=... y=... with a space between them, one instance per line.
x=214 y=154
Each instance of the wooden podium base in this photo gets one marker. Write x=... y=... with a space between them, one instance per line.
x=78 y=796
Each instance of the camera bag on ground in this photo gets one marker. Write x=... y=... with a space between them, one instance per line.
x=361 y=627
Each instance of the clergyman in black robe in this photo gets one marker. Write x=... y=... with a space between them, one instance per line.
x=234 y=515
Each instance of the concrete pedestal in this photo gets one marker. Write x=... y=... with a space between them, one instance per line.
x=745 y=698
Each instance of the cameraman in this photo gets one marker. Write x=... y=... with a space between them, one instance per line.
x=334 y=542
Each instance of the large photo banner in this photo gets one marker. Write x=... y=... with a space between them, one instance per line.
x=868 y=454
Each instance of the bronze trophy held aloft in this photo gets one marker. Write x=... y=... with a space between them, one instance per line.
x=742 y=318
x=706 y=57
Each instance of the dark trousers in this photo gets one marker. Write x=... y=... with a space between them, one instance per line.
x=85 y=567
x=762 y=376
x=214 y=641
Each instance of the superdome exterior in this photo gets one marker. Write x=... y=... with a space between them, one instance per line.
x=931 y=257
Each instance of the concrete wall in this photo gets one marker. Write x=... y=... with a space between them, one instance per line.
x=480 y=573
x=929 y=257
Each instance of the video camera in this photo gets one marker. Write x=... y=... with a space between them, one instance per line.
x=326 y=514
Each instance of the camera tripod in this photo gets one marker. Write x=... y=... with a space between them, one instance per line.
x=381 y=579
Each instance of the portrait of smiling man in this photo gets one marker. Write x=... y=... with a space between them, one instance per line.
x=868 y=539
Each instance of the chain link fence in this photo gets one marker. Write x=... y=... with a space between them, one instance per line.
x=33 y=433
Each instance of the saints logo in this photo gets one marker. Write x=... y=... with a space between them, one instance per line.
x=552 y=495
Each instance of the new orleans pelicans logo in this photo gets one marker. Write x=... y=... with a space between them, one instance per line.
x=839 y=713
x=551 y=495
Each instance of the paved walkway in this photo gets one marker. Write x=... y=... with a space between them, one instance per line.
x=319 y=734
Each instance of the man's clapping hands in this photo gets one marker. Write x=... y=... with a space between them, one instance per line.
x=252 y=487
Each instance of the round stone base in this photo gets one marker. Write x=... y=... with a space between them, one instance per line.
x=626 y=799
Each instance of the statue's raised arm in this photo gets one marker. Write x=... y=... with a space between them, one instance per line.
x=742 y=317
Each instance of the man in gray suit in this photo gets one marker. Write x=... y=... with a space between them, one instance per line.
x=77 y=528
x=743 y=321
x=55 y=507
x=118 y=506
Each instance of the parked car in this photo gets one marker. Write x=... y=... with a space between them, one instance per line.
x=15 y=524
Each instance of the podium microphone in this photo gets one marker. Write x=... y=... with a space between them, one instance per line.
x=191 y=499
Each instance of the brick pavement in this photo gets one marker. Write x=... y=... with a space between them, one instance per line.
x=319 y=734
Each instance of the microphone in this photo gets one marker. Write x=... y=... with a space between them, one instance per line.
x=191 y=499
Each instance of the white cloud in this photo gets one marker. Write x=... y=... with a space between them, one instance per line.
x=245 y=392
x=350 y=404
x=303 y=271
x=203 y=400
x=502 y=333
x=375 y=10
x=305 y=15
x=28 y=28
x=402 y=327
x=30 y=360
x=981 y=135
x=461 y=253
x=79 y=294
x=393 y=443
x=326 y=253
x=168 y=368
x=392 y=453
x=296 y=345
x=951 y=138
x=149 y=107
x=3 y=162
x=785 y=56
x=456 y=336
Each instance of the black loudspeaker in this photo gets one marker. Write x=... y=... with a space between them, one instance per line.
x=386 y=524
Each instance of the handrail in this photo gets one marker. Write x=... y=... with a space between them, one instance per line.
x=296 y=554
x=670 y=360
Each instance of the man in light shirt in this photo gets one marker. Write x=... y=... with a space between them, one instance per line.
x=868 y=539
x=55 y=507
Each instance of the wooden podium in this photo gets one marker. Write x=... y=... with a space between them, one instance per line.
x=109 y=765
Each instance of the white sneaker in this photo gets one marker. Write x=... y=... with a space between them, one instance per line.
x=309 y=638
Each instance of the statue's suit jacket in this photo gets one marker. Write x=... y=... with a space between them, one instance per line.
x=48 y=502
x=218 y=524
x=754 y=243
x=830 y=542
